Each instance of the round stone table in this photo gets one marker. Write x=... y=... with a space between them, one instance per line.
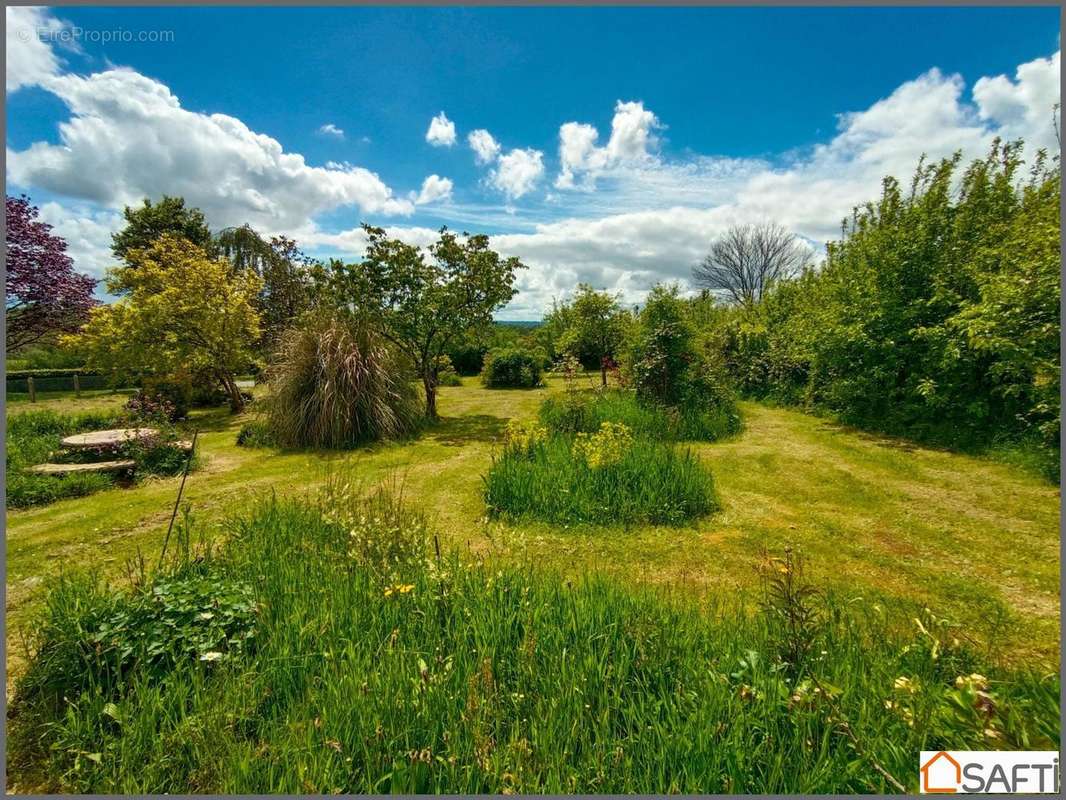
x=100 y=440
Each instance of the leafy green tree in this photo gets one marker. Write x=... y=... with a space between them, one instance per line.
x=285 y=270
x=935 y=315
x=146 y=223
x=44 y=295
x=184 y=313
x=663 y=348
x=1015 y=318
x=595 y=328
x=424 y=305
x=549 y=334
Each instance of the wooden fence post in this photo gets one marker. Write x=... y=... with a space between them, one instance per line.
x=77 y=386
x=32 y=389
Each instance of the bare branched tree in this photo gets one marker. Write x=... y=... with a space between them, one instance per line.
x=747 y=259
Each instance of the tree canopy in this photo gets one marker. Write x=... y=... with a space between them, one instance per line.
x=747 y=260
x=424 y=305
x=146 y=223
x=184 y=312
x=285 y=270
x=936 y=314
x=594 y=327
x=44 y=294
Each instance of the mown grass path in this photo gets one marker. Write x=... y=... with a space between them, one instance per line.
x=878 y=520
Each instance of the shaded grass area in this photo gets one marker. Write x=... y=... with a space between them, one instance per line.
x=324 y=673
x=585 y=411
x=902 y=527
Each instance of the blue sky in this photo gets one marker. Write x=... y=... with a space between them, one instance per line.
x=616 y=142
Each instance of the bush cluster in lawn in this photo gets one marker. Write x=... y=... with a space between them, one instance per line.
x=33 y=437
x=584 y=411
x=625 y=481
x=256 y=433
x=451 y=677
x=512 y=368
x=446 y=373
x=668 y=368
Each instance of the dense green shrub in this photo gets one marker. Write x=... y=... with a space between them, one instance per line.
x=512 y=368
x=468 y=358
x=673 y=370
x=935 y=316
x=336 y=383
x=553 y=478
x=463 y=678
x=446 y=373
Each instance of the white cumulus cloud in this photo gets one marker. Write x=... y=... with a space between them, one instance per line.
x=329 y=129
x=651 y=217
x=29 y=58
x=486 y=148
x=632 y=141
x=128 y=137
x=1023 y=108
x=434 y=188
x=441 y=132
x=517 y=172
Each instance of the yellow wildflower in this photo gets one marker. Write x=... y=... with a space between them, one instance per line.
x=606 y=447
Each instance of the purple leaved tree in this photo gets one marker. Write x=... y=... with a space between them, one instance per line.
x=44 y=293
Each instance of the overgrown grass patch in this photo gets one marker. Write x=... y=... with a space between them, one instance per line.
x=551 y=479
x=584 y=411
x=256 y=433
x=452 y=677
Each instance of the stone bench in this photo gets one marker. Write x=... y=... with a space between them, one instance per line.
x=97 y=466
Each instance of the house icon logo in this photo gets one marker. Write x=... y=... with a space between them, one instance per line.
x=941 y=774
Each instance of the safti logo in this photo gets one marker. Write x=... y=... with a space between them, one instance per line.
x=989 y=772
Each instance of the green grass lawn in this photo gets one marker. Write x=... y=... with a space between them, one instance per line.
x=878 y=520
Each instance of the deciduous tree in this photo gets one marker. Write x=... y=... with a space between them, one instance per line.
x=44 y=295
x=146 y=223
x=595 y=330
x=184 y=312
x=285 y=271
x=747 y=260
x=424 y=305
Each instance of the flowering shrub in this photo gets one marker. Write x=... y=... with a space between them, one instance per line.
x=523 y=437
x=150 y=407
x=605 y=448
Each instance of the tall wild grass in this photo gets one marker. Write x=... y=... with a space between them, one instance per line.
x=552 y=481
x=576 y=411
x=318 y=671
x=335 y=383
